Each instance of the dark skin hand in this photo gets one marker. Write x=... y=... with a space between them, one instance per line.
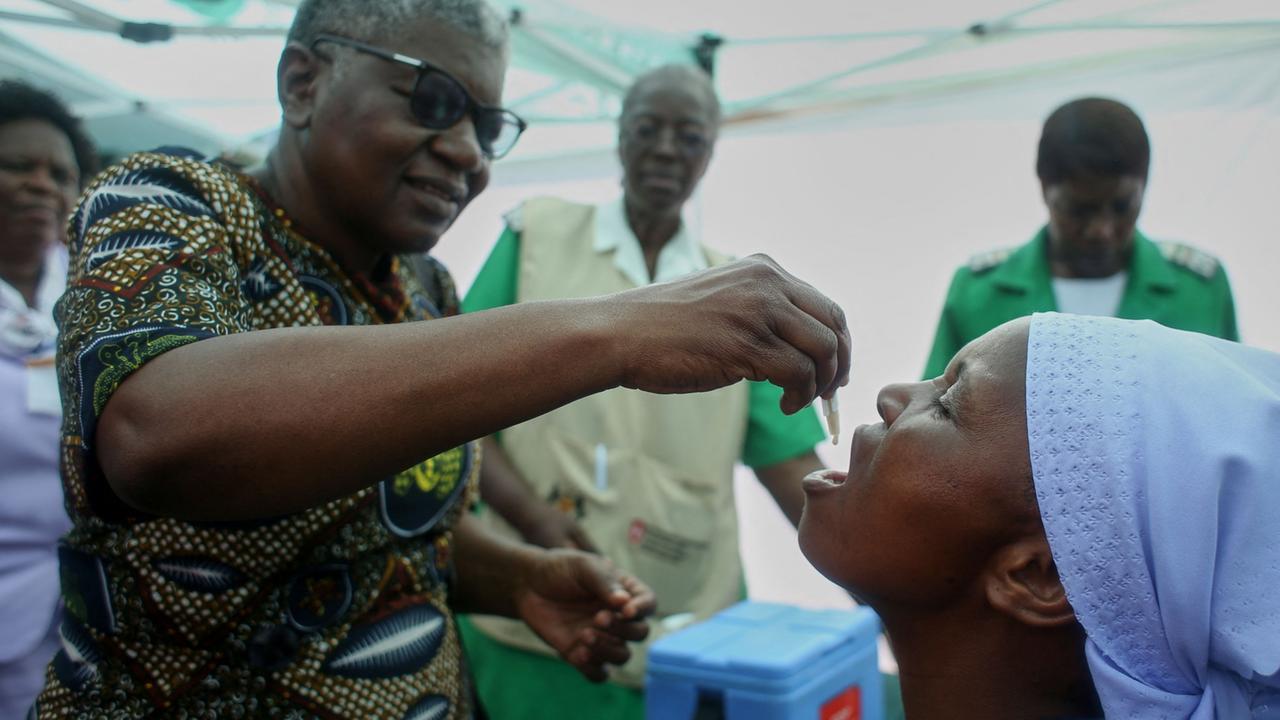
x=577 y=602
x=320 y=429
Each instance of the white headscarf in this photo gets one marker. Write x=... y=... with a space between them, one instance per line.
x=1156 y=457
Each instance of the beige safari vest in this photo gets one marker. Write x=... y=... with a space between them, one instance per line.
x=650 y=476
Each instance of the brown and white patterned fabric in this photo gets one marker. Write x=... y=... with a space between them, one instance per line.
x=340 y=611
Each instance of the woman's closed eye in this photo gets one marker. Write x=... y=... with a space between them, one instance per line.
x=941 y=409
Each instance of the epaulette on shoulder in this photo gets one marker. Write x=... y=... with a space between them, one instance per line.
x=984 y=261
x=1199 y=262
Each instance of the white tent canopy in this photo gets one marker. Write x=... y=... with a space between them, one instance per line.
x=209 y=83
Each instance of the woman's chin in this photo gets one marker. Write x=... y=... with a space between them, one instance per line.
x=811 y=536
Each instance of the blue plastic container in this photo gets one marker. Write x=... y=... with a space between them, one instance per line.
x=763 y=661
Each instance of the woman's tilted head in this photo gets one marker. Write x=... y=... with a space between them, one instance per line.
x=935 y=489
x=1087 y=501
x=935 y=526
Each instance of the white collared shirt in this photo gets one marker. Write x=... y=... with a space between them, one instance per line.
x=682 y=254
x=1090 y=296
x=27 y=331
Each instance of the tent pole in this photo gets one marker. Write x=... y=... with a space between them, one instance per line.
x=611 y=76
x=224 y=31
x=924 y=49
x=91 y=17
x=1253 y=25
x=23 y=57
x=43 y=20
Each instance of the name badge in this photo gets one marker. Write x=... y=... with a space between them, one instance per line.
x=42 y=388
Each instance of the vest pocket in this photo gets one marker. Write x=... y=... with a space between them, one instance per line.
x=647 y=516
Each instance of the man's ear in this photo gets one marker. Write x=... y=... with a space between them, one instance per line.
x=1021 y=580
x=297 y=79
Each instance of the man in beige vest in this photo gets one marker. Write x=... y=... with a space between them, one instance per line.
x=646 y=480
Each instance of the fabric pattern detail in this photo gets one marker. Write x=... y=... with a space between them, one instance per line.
x=258 y=284
x=85 y=590
x=432 y=707
x=414 y=499
x=198 y=574
x=156 y=186
x=76 y=664
x=110 y=359
x=319 y=597
x=400 y=643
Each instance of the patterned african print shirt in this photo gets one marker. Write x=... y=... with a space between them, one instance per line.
x=339 y=611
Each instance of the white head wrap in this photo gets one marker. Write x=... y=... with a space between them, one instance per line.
x=1156 y=457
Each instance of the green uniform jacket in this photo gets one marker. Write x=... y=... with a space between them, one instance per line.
x=1173 y=284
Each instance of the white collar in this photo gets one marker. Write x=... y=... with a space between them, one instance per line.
x=26 y=330
x=682 y=254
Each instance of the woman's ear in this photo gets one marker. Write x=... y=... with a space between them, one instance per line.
x=296 y=83
x=1021 y=580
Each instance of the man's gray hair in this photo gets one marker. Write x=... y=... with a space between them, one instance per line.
x=372 y=20
x=675 y=74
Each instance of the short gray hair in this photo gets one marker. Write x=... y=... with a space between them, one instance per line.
x=675 y=74
x=372 y=20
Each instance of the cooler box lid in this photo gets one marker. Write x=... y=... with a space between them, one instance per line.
x=764 y=642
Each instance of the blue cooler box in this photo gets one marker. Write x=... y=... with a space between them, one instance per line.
x=763 y=661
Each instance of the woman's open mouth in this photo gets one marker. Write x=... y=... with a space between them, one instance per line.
x=824 y=480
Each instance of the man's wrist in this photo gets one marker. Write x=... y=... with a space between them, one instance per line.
x=528 y=515
x=523 y=569
x=602 y=334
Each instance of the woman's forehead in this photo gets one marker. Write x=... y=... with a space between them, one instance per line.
x=995 y=365
x=1005 y=344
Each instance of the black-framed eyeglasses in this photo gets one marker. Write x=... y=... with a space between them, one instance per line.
x=439 y=101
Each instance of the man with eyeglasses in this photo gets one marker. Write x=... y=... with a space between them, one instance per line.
x=644 y=480
x=252 y=378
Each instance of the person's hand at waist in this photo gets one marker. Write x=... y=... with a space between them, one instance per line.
x=749 y=319
x=578 y=603
x=584 y=609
